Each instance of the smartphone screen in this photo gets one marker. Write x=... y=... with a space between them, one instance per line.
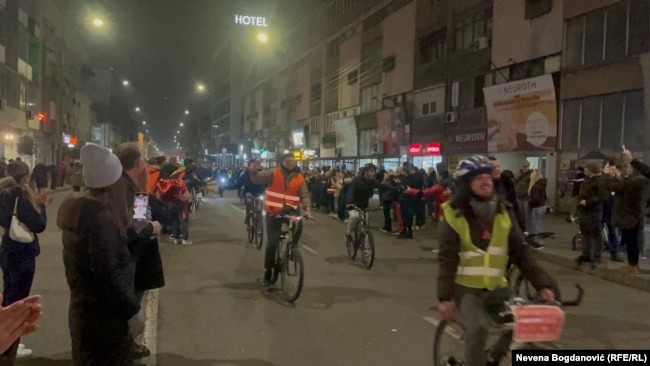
x=140 y=204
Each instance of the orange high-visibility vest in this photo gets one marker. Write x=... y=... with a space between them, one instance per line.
x=154 y=174
x=277 y=196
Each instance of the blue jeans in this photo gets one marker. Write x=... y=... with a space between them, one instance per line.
x=537 y=220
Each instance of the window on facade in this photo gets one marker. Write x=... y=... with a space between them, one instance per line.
x=639 y=26
x=472 y=28
x=353 y=77
x=608 y=34
x=574 y=41
x=466 y=94
x=616 y=19
x=329 y=125
x=429 y=109
x=604 y=122
x=571 y=125
x=315 y=92
x=536 y=8
x=433 y=46
x=590 y=124
x=594 y=38
x=369 y=96
x=313 y=125
x=22 y=97
x=612 y=120
x=634 y=126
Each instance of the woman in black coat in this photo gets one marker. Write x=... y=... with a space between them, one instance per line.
x=98 y=266
x=18 y=260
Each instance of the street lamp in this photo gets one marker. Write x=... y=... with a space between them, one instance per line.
x=200 y=87
x=98 y=22
x=187 y=112
x=178 y=131
x=181 y=124
x=144 y=122
x=262 y=37
x=125 y=83
x=137 y=109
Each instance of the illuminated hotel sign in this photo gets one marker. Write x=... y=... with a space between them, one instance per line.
x=249 y=20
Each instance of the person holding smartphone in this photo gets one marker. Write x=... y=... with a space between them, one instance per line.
x=143 y=230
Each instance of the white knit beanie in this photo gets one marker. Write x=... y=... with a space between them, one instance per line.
x=101 y=168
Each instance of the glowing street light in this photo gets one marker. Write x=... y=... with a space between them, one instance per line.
x=181 y=124
x=187 y=112
x=200 y=87
x=144 y=122
x=97 y=22
x=125 y=83
x=178 y=131
x=137 y=109
x=262 y=37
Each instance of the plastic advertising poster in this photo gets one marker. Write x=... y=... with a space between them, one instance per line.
x=537 y=323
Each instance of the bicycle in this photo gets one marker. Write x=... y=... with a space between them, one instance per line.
x=362 y=239
x=288 y=258
x=448 y=334
x=196 y=199
x=255 y=228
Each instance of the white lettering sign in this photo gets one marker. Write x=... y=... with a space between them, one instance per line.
x=250 y=20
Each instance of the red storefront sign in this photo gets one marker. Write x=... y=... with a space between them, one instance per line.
x=415 y=149
x=433 y=149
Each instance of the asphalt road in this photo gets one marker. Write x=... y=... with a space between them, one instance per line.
x=214 y=311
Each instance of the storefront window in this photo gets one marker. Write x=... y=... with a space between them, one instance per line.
x=426 y=162
x=391 y=164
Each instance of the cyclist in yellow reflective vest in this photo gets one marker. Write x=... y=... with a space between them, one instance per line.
x=477 y=236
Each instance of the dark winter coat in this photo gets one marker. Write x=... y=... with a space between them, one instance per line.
x=34 y=220
x=145 y=251
x=505 y=188
x=538 y=196
x=594 y=191
x=630 y=203
x=39 y=175
x=100 y=273
x=522 y=182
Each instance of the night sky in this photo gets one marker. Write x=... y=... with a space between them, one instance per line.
x=164 y=47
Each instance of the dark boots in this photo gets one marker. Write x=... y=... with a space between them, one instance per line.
x=406 y=234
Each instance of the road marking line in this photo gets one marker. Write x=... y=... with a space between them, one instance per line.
x=449 y=330
x=242 y=210
x=307 y=248
x=150 y=336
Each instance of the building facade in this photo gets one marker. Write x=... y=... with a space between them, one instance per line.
x=434 y=81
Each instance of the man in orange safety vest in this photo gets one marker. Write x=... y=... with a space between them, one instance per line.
x=286 y=191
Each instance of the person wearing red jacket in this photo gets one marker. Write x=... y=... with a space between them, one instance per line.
x=440 y=193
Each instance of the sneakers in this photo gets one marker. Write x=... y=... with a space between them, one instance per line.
x=23 y=351
x=384 y=231
x=139 y=351
x=183 y=242
x=172 y=237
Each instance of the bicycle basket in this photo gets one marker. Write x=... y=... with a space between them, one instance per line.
x=537 y=323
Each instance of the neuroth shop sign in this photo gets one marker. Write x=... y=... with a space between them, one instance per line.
x=250 y=20
x=522 y=115
x=471 y=142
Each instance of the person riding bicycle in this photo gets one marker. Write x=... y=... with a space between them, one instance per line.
x=477 y=236
x=359 y=193
x=286 y=191
x=255 y=190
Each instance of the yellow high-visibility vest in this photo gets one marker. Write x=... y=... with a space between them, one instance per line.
x=481 y=268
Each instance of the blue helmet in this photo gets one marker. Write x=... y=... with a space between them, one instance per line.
x=473 y=166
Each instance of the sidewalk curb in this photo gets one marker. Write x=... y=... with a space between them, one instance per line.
x=639 y=282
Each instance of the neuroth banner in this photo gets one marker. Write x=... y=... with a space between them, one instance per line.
x=522 y=115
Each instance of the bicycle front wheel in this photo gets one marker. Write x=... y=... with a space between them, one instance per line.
x=259 y=231
x=351 y=248
x=367 y=250
x=293 y=273
x=251 y=230
x=448 y=349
